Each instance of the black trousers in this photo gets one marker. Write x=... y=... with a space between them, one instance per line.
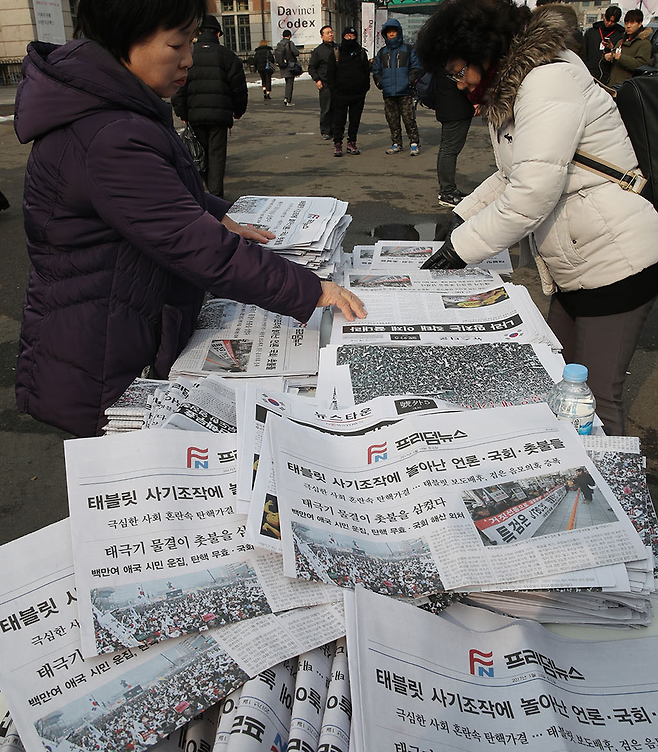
x=326 y=114
x=453 y=138
x=214 y=139
x=266 y=80
x=342 y=106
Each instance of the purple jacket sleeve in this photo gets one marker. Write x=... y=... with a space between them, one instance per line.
x=132 y=177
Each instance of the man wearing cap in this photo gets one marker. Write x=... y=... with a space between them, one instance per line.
x=317 y=68
x=214 y=95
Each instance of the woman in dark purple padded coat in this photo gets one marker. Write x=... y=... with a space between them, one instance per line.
x=123 y=239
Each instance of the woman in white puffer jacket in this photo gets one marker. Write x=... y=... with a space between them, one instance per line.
x=595 y=244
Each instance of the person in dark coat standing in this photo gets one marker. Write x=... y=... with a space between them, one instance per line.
x=600 y=38
x=122 y=237
x=286 y=53
x=317 y=69
x=264 y=62
x=348 y=75
x=214 y=94
x=454 y=111
x=585 y=483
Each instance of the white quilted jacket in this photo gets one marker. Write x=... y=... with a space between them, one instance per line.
x=585 y=231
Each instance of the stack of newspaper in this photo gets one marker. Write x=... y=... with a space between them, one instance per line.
x=497 y=683
x=398 y=255
x=131 y=410
x=412 y=306
x=239 y=340
x=454 y=501
x=301 y=703
x=309 y=230
x=120 y=666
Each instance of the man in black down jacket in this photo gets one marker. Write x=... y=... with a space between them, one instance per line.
x=214 y=94
x=349 y=81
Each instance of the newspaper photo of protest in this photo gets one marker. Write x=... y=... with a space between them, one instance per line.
x=144 y=614
x=217 y=312
x=535 y=506
x=472 y=376
x=395 y=251
x=625 y=473
x=403 y=569
x=380 y=280
x=146 y=704
x=476 y=300
x=230 y=355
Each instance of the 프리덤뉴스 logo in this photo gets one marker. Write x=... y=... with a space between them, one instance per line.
x=377 y=452
x=480 y=664
x=197 y=458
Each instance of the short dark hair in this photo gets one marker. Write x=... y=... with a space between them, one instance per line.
x=477 y=31
x=613 y=13
x=326 y=26
x=634 y=15
x=287 y=33
x=117 y=25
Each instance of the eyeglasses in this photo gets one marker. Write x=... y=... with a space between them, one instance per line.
x=457 y=77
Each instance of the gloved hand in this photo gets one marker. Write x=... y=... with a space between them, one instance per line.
x=445 y=258
x=443 y=231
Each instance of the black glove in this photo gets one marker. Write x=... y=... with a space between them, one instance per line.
x=443 y=231
x=445 y=258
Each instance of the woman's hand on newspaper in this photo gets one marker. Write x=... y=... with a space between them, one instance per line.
x=248 y=232
x=349 y=304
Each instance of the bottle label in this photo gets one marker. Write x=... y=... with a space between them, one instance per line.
x=584 y=429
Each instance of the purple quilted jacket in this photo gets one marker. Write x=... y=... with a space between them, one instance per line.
x=122 y=237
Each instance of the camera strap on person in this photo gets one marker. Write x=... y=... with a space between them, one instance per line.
x=629 y=180
x=637 y=101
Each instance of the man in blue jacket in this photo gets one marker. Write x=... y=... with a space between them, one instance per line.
x=396 y=67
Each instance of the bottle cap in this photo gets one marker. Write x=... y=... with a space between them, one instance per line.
x=575 y=372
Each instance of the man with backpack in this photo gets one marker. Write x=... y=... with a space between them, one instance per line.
x=286 y=55
x=394 y=70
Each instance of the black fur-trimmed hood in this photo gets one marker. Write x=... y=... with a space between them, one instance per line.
x=549 y=32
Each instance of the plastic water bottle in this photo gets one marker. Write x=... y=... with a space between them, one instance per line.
x=572 y=400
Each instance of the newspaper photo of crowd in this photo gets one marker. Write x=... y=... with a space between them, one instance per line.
x=401 y=569
x=379 y=280
x=473 y=376
x=141 y=708
x=625 y=473
x=218 y=313
x=138 y=614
